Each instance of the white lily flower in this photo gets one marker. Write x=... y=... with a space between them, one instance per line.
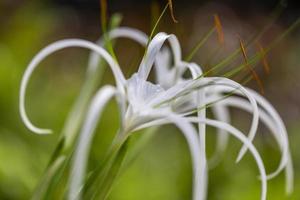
x=144 y=104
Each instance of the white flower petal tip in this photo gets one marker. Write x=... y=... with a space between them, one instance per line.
x=42 y=131
x=240 y=156
x=28 y=123
x=39 y=131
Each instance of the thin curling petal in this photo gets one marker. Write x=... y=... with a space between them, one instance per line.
x=80 y=158
x=239 y=135
x=121 y=32
x=190 y=134
x=277 y=119
x=120 y=80
x=201 y=114
x=270 y=109
x=281 y=133
x=223 y=83
x=221 y=113
x=200 y=176
x=164 y=74
x=255 y=116
x=154 y=49
x=289 y=177
x=231 y=130
x=271 y=125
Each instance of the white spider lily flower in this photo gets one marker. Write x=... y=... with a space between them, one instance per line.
x=143 y=104
x=153 y=113
x=148 y=102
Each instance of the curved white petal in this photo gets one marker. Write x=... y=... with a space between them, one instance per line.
x=241 y=103
x=120 y=80
x=80 y=158
x=230 y=129
x=274 y=114
x=121 y=32
x=221 y=113
x=154 y=49
x=239 y=135
x=190 y=134
x=289 y=178
x=227 y=83
x=194 y=68
x=198 y=158
x=201 y=114
x=164 y=74
x=280 y=134
x=189 y=86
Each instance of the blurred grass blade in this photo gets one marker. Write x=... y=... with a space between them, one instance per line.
x=103 y=183
x=136 y=148
x=40 y=192
x=199 y=44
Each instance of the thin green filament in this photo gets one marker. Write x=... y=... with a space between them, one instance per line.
x=200 y=44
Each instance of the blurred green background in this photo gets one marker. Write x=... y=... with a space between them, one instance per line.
x=162 y=170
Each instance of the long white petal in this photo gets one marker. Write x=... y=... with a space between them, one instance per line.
x=120 y=80
x=221 y=113
x=199 y=160
x=165 y=75
x=239 y=135
x=201 y=114
x=121 y=32
x=280 y=134
x=80 y=158
x=282 y=129
x=241 y=103
x=289 y=178
x=230 y=129
x=224 y=82
x=189 y=86
x=154 y=49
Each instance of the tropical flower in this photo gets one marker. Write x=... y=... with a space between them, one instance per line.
x=172 y=99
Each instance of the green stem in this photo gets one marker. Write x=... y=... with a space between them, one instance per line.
x=107 y=183
x=101 y=180
x=43 y=187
